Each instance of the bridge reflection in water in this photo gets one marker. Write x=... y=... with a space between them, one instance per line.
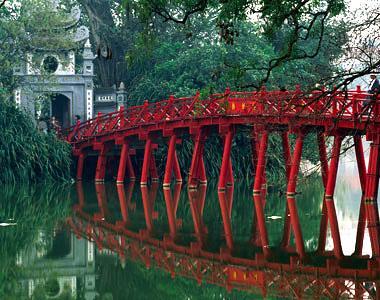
x=169 y=230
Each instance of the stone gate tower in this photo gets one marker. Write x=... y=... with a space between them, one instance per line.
x=67 y=91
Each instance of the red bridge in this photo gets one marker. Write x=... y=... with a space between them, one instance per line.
x=337 y=114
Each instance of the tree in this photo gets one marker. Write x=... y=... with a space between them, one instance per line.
x=297 y=22
x=22 y=31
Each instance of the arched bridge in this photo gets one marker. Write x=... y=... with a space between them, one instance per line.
x=337 y=114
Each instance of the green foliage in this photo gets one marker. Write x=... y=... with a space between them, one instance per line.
x=27 y=154
x=176 y=63
x=29 y=26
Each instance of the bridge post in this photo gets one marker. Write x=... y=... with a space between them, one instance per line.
x=80 y=165
x=170 y=161
x=329 y=196
x=125 y=164
x=226 y=160
x=230 y=199
x=102 y=161
x=362 y=176
x=202 y=169
x=287 y=158
x=324 y=170
x=131 y=171
x=146 y=162
x=230 y=174
x=260 y=170
x=255 y=144
x=177 y=169
x=371 y=191
x=153 y=168
x=197 y=171
x=290 y=195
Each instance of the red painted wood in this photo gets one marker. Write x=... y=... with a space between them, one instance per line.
x=224 y=209
x=324 y=171
x=257 y=198
x=290 y=196
x=170 y=161
x=362 y=220
x=329 y=196
x=287 y=159
x=371 y=190
x=177 y=169
x=101 y=163
x=146 y=162
x=225 y=160
x=122 y=163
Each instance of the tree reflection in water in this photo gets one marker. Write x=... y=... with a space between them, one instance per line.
x=37 y=213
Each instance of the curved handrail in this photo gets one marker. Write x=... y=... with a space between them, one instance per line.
x=347 y=105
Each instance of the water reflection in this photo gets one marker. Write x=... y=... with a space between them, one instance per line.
x=37 y=248
x=194 y=235
x=91 y=241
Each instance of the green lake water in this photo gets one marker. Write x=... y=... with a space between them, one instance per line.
x=41 y=258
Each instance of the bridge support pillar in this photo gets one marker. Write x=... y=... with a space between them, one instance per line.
x=362 y=176
x=371 y=191
x=202 y=170
x=102 y=161
x=153 y=168
x=287 y=158
x=197 y=172
x=172 y=164
x=230 y=174
x=257 y=197
x=146 y=162
x=177 y=169
x=80 y=165
x=226 y=168
x=125 y=164
x=329 y=196
x=324 y=170
x=255 y=145
x=290 y=195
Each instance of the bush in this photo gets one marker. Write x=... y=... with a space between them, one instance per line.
x=27 y=154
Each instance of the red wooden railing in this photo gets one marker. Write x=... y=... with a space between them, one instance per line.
x=342 y=105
